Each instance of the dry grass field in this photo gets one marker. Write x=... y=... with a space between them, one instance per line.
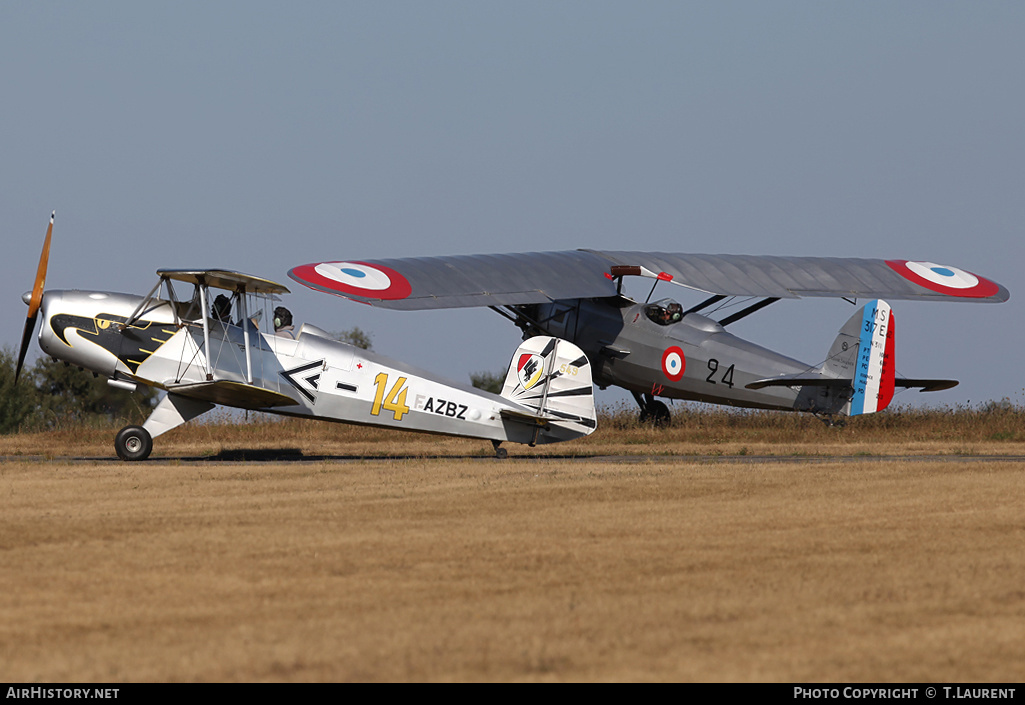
x=731 y=548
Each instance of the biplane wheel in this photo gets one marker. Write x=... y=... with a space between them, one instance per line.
x=133 y=443
x=656 y=413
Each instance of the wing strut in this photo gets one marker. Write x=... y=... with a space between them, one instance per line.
x=519 y=318
x=748 y=311
x=705 y=304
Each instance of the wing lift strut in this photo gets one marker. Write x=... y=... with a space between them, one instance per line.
x=617 y=272
x=522 y=320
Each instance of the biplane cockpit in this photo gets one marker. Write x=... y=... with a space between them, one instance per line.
x=228 y=317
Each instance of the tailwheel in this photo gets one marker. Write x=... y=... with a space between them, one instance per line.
x=133 y=443
x=500 y=453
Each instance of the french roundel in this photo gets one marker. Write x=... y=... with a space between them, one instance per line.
x=372 y=281
x=944 y=279
x=673 y=363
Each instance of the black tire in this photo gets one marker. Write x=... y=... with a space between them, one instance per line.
x=133 y=443
x=657 y=414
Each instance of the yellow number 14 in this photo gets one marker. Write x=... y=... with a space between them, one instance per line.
x=395 y=402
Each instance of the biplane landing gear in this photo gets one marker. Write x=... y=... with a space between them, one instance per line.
x=133 y=443
x=653 y=411
x=500 y=453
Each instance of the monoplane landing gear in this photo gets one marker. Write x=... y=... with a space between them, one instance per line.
x=653 y=411
x=133 y=443
x=500 y=453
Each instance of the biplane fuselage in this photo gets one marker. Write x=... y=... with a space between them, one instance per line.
x=201 y=361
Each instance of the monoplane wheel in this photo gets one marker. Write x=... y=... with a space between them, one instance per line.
x=133 y=443
x=656 y=413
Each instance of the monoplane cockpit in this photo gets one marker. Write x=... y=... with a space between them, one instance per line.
x=664 y=312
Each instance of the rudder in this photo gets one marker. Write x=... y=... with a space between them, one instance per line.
x=874 y=374
x=552 y=378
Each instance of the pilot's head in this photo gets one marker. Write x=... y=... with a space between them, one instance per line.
x=222 y=307
x=282 y=317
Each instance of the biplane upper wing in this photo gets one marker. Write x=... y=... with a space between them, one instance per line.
x=537 y=277
x=226 y=279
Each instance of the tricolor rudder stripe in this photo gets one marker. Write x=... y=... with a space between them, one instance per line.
x=874 y=377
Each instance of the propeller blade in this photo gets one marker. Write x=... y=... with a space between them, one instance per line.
x=44 y=259
x=26 y=339
x=37 y=298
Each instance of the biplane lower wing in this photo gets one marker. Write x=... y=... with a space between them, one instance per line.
x=237 y=394
x=540 y=277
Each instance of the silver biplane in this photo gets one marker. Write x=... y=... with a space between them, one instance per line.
x=660 y=348
x=203 y=352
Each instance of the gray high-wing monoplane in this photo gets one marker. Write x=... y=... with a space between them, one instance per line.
x=204 y=350
x=658 y=348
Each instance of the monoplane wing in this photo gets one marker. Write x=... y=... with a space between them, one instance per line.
x=538 y=277
x=462 y=280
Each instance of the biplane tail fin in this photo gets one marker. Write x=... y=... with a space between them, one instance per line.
x=551 y=377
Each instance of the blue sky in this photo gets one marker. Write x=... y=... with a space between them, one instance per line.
x=257 y=136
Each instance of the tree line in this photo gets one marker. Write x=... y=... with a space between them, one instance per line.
x=52 y=394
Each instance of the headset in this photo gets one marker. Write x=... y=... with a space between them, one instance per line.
x=282 y=317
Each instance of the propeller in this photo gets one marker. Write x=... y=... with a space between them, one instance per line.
x=36 y=300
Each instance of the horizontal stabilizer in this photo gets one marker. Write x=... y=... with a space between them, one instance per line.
x=927 y=385
x=798 y=381
x=522 y=417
